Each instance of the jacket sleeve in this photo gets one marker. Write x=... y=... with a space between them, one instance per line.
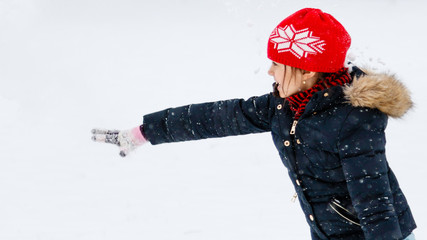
x=362 y=152
x=209 y=120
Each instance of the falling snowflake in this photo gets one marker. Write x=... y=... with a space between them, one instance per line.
x=300 y=43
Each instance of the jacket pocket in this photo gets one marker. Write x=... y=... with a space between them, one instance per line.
x=345 y=212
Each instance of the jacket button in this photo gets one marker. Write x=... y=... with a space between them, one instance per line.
x=298 y=182
x=279 y=106
x=326 y=94
x=314 y=113
x=298 y=141
x=311 y=217
x=287 y=143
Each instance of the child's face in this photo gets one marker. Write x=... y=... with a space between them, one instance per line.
x=286 y=80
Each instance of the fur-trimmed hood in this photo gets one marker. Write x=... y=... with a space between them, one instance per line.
x=381 y=91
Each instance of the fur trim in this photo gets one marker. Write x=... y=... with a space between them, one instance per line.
x=381 y=91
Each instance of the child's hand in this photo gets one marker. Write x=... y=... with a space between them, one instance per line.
x=127 y=140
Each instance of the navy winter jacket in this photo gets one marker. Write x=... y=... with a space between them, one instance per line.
x=336 y=156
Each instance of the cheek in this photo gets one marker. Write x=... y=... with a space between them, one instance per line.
x=279 y=77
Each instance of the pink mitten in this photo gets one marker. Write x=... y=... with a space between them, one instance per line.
x=127 y=140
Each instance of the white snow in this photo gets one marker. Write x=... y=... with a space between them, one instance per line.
x=69 y=66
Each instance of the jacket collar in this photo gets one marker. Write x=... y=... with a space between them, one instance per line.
x=381 y=91
x=373 y=90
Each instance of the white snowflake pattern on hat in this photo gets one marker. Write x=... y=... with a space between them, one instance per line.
x=300 y=43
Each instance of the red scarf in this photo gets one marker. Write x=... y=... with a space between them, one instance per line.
x=299 y=101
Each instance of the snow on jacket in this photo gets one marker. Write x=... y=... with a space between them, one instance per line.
x=336 y=156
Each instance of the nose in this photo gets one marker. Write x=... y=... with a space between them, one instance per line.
x=270 y=71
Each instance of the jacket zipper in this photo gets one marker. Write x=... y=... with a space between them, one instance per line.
x=335 y=206
x=294 y=125
x=292 y=132
x=294 y=197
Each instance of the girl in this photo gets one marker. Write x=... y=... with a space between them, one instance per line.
x=327 y=122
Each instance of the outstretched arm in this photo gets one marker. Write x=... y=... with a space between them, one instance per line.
x=209 y=120
x=193 y=122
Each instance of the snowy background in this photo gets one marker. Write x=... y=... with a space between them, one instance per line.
x=69 y=66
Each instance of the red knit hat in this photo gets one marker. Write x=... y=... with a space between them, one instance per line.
x=311 y=40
